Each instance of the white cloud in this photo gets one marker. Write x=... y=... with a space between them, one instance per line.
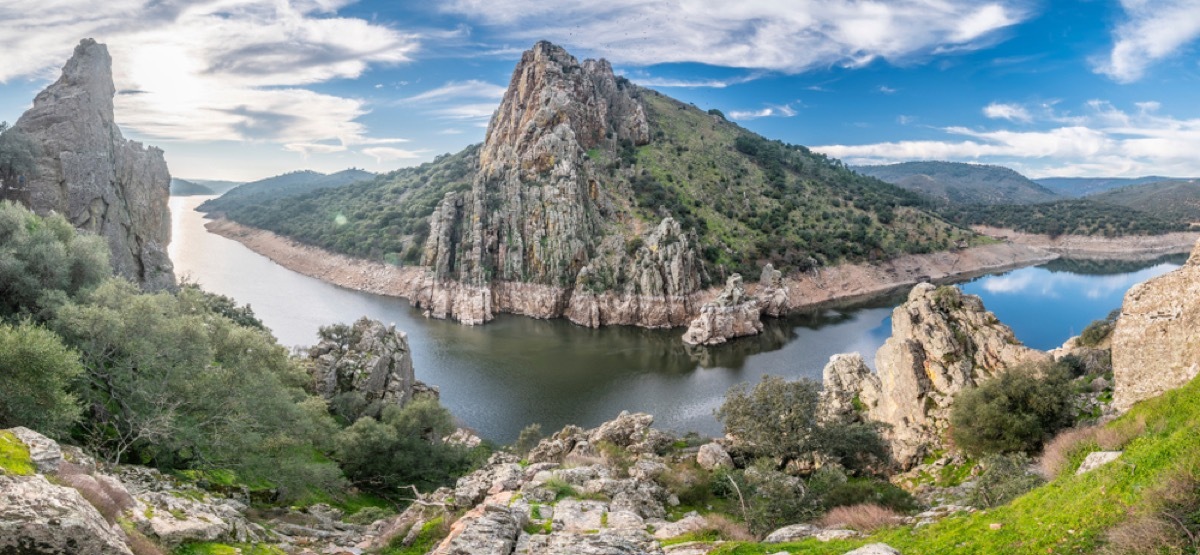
x=785 y=111
x=694 y=83
x=1105 y=141
x=209 y=70
x=460 y=89
x=1153 y=31
x=1010 y=112
x=386 y=154
x=765 y=34
x=886 y=89
x=905 y=120
x=477 y=111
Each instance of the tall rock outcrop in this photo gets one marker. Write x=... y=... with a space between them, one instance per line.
x=1156 y=343
x=732 y=314
x=368 y=361
x=942 y=343
x=86 y=170
x=532 y=236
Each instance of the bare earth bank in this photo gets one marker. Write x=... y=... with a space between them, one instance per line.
x=842 y=283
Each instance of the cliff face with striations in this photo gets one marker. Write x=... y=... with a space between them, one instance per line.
x=537 y=226
x=85 y=170
x=942 y=343
x=1154 y=345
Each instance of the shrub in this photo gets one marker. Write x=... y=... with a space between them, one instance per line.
x=767 y=498
x=1096 y=332
x=866 y=517
x=529 y=437
x=1170 y=523
x=44 y=261
x=36 y=370
x=1014 y=412
x=139 y=544
x=1004 y=478
x=866 y=491
x=1060 y=451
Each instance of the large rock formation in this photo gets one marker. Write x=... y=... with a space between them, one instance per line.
x=942 y=343
x=530 y=236
x=732 y=314
x=38 y=517
x=1155 y=343
x=368 y=360
x=85 y=170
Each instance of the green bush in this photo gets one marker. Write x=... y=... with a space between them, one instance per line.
x=43 y=261
x=1014 y=412
x=778 y=420
x=1098 y=331
x=1004 y=478
x=529 y=438
x=36 y=370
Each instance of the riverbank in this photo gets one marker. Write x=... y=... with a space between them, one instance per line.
x=1133 y=247
x=834 y=285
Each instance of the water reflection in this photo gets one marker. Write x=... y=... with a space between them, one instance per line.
x=515 y=371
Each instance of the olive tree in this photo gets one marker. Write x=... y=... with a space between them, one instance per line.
x=35 y=372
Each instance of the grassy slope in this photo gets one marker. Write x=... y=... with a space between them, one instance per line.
x=1084 y=186
x=1068 y=515
x=1178 y=201
x=962 y=183
x=1064 y=217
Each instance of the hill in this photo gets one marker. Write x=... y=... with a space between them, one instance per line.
x=1064 y=217
x=960 y=183
x=218 y=186
x=288 y=184
x=185 y=188
x=1176 y=200
x=1084 y=186
x=608 y=189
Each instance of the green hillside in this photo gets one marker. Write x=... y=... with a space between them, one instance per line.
x=1084 y=186
x=288 y=184
x=1154 y=478
x=1177 y=201
x=749 y=200
x=959 y=183
x=1064 y=217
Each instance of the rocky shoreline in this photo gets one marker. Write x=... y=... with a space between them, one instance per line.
x=1131 y=248
x=842 y=283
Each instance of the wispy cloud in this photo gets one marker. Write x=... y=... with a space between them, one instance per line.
x=215 y=70
x=386 y=154
x=1153 y=30
x=886 y=89
x=784 y=111
x=460 y=89
x=1103 y=140
x=1010 y=112
x=764 y=34
x=663 y=82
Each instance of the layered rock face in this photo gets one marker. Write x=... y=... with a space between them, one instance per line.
x=367 y=359
x=942 y=343
x=85 y=169
x=1154 y=345
x=532 y=233
x=732 y=314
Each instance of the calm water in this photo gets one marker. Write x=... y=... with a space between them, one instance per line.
x=515 y=371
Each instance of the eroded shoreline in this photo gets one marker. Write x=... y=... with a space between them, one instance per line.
x=834 y=285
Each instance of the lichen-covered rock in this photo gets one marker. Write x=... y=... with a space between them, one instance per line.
x=43 y=451
x=849 y=386
x=942 y=343
x=86 y=171
x=368 y=359
x=712 y=456
x=732 y=314
x=875 y=549
x=772 y=292
x=1154 y=345
x=1096 y=460
x=484 y=530
x=40 y=518
x=603 y=542
x=530 y=236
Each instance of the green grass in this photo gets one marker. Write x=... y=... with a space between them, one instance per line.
x=1070 y=514
x=14 y=456
x=697 y=536
x=209 y=548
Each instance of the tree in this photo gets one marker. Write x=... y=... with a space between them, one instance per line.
x=779 y=419
x=44 y=261
x=1014 y=412
x=35 y=371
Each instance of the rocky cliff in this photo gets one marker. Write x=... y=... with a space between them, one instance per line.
x=732 y=314
x=363 y=367
x=1154 y=345
x=942 y=343
x=534 y=235
x=85 y=170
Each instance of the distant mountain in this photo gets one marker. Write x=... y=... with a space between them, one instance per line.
x=217 y=186
x=1175 y=200
x=282 y=186
x=1084 y=186
x=959 y=183
x=185 y=188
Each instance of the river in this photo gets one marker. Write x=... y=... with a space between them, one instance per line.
x=515 y=371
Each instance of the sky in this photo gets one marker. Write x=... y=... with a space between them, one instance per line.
x=245 y=89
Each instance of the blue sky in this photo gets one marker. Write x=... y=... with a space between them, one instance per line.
x=243 y=89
